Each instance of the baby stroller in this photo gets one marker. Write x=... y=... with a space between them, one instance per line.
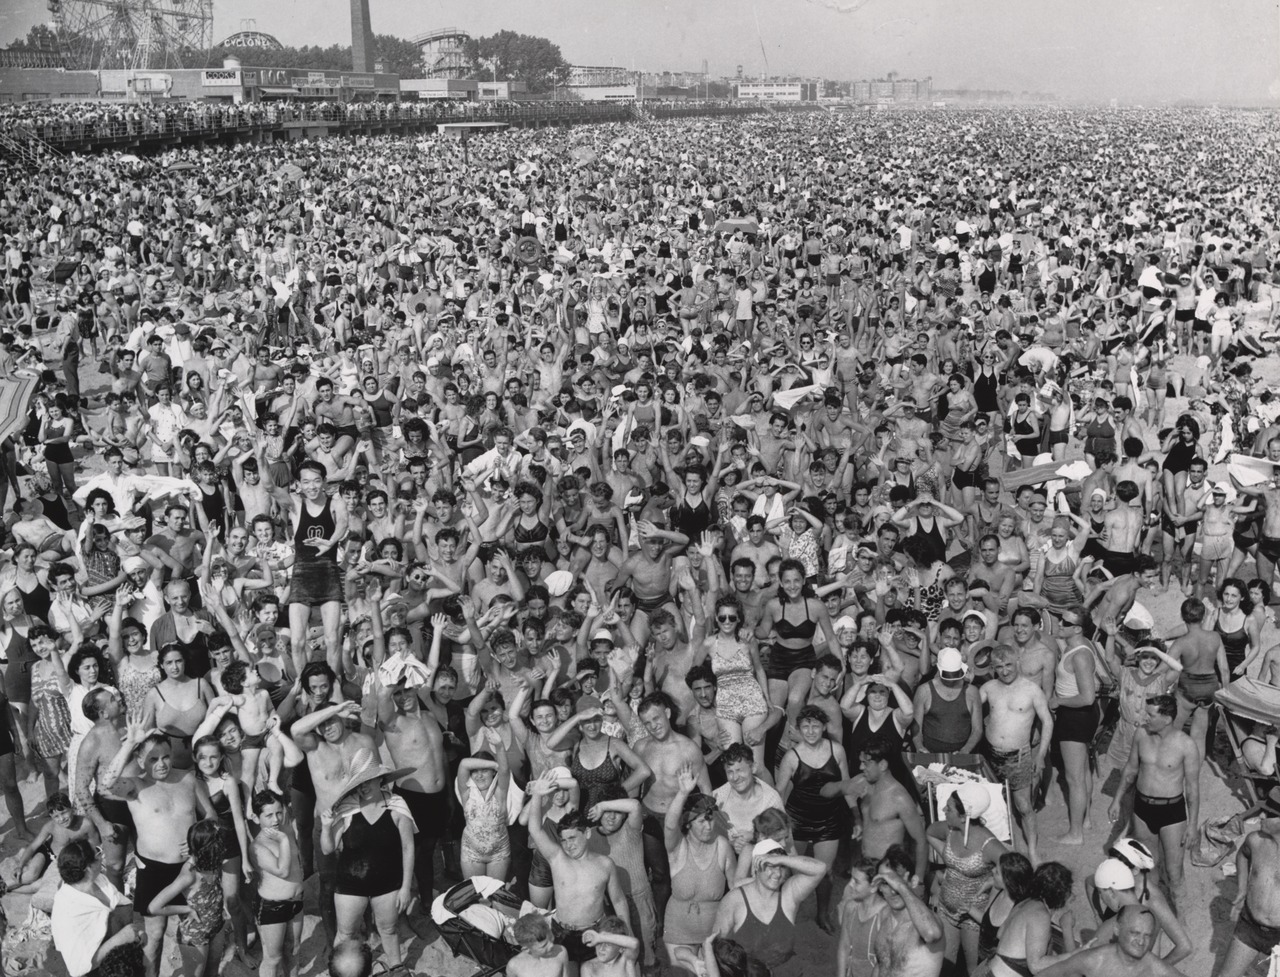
x=473 y=917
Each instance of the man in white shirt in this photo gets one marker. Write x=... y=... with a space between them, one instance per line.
x=744 y=795
x=86 y=908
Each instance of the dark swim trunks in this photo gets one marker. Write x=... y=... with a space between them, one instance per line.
x=1159 y=812
x=1256 y=936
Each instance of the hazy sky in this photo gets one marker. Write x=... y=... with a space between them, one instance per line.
x=1142 y=49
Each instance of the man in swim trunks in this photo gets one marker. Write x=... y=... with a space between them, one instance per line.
x=1129 y=955
x=164 y=806
x=107 y=808
x=1165 y=765
x=1257 y=899
x=1015 y=703
x=1122 y=530
x=1204 y=660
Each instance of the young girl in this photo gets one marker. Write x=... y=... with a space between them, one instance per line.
x=199 y=885
x=481 y=787
x=214 y=776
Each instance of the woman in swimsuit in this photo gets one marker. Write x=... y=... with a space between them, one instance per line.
x=1012 y=878
x=596 y=759
x=702 y=863
x=50 y=716
x=531 y=525
x=1026 y=432
x=1099 y=430
x=1025 y=937
x=29 y=582
x=761 y=915
x=969 y=851
x=1237 y=629
x=790 y=665
x=177 y=705
x=742 y=696
x=806 y=774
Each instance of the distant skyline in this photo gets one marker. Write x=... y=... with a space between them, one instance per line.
x=1143 y=50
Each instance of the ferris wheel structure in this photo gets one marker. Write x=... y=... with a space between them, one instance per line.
x=136 y=34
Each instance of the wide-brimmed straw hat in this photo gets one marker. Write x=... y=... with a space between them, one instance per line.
x=364 y=768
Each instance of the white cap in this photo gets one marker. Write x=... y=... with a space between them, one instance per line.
x=845 y=623
x=975 y=800
x=559 y=583
x=766 y=847
x=604 y=634
x=951 y=661
x=1135 y=853
x=1113 y=874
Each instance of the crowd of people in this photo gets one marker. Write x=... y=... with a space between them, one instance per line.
x=613 y=513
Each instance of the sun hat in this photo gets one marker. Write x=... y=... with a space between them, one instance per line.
x=364 y=768
x=133 y=564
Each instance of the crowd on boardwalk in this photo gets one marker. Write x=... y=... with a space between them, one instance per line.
x=611 y=512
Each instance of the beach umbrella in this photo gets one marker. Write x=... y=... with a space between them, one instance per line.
x=180 y=167
x=289 y=171
x=15 y=398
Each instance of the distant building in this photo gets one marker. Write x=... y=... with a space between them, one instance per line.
x=582 y=75
x=887 y=91
x=775 y=91
x=610 y=93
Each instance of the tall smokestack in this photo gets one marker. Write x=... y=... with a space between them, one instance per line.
x=361 y=37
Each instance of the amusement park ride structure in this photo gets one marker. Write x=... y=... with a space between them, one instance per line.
x=132 y=33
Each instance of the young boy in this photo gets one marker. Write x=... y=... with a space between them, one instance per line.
x=32 y=868
x=278 y=907
x=617 y=953
x=254 y=711
x=540 y=955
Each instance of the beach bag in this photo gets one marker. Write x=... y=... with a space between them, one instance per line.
x=26 y=947
x=1218 y=838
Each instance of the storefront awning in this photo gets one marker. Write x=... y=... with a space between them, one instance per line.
x=278 y=91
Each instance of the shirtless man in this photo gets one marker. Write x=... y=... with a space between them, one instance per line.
x=1036 y=659
x=984 y=515
x=1257 y=899
x=1118 y=595
x=1165 y=765
x=329 y=745
x=581 y=879
x=667 y=753
x=1184 y=513
x=886 y=814
x=742 y=574
x=164 y=805
x=758 y=549
x=414 y=740
x=908 y=941
x=1015 y=703
x=338 y=411
x=1204 y=665
x=107 y=808
x=672 y=660
x=1122 y=529
x=1129 y=956
x=648 y=574
x=999 y=578
x=1268 y=554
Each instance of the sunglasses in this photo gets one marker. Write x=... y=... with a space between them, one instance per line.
x=727 y=618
